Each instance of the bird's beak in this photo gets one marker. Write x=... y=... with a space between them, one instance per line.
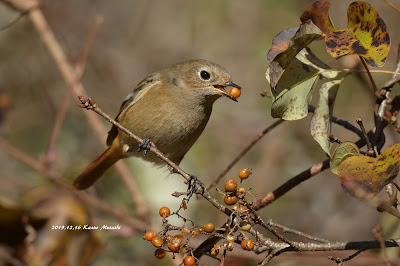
x=222 y=89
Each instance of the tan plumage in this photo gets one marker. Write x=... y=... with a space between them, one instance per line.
x=171 y=107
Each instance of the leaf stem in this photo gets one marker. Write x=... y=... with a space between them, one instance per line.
x=376 y=91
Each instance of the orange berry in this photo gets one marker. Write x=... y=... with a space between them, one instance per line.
x=164 y=212
x=230 y=200
x=215 y=251
x=244 y=173
x=209 y=227
x=178 y=238
x=241 y=192
x=159 y=253
x=195 y=233
x=235 y=92
x=157 y=241
x=189 y=261
x=149 y=235
x=230 y=185
x=243 y=209
x=169 y=238
x=230 y=238
x=174 y=246
x=247 y=244
x=185 y=230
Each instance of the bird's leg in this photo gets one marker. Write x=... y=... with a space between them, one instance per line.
x=144 y=146
x=195 y=186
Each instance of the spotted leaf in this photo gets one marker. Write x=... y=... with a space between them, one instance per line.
x=286 y=45
x=367 y=35
x=321 y=120
x=364 y=177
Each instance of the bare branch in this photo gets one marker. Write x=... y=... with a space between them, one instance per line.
x=243 y=152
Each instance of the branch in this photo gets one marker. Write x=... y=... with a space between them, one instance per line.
x=198 y=188
x=291 y=183
x=71 y=77
x=376 y=91
x=243 y=152
x=55 y=177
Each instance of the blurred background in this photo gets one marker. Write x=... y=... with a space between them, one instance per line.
x=136 y=38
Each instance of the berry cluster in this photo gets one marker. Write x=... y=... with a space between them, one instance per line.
x=233 y=231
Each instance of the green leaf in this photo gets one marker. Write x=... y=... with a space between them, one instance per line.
x=345 y=150
x=285 y=48
x=321 y=120
x=292 y=94
x=367 y=36
x=307 y=57
x=363 y=177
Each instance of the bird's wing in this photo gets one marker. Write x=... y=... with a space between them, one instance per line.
x=144 y=86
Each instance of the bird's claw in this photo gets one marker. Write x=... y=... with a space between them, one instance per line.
x=145 y=146
x=194 y=186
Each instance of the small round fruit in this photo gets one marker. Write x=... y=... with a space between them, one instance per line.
x=149 y=235
x=178 y=238
x=234 y=208
x=209 y=227
x=169 y=238
x=244 y=173
x=189 y=261
x=241 y=192
x=243 y=209
x=235 y=93
x=195 y=233
x=174 y=246
x=230 y=238
x=245 y=225
x=157 y=241
x=159 y=253
x=214 y=251
x=230 y=246
x=230 y=200
x=230 y=185
x=247 y=244
x=185 y=230
x=164 y=212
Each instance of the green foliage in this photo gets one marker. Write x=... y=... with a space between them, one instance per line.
x=321 y=120
x=345 y=150
x=293 y=73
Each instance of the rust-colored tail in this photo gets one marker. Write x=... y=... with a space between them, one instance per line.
x=97 y=168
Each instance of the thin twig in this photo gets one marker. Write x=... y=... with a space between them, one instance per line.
x=376 y=92
x=56 y=177
x=70 y=77
x=242 y=153
x=361 y=124
x=377 y=232
x=12 y=22
x=296 y=232
x=79 y=67
x=65 y=68
x=291 y=183
x=392 y=6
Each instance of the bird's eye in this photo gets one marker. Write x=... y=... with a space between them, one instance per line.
x=205 y=75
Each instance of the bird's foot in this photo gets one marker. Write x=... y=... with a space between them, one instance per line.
x=195 y=186
x=145 y=146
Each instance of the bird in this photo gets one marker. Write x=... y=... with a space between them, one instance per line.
x=170 y=107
